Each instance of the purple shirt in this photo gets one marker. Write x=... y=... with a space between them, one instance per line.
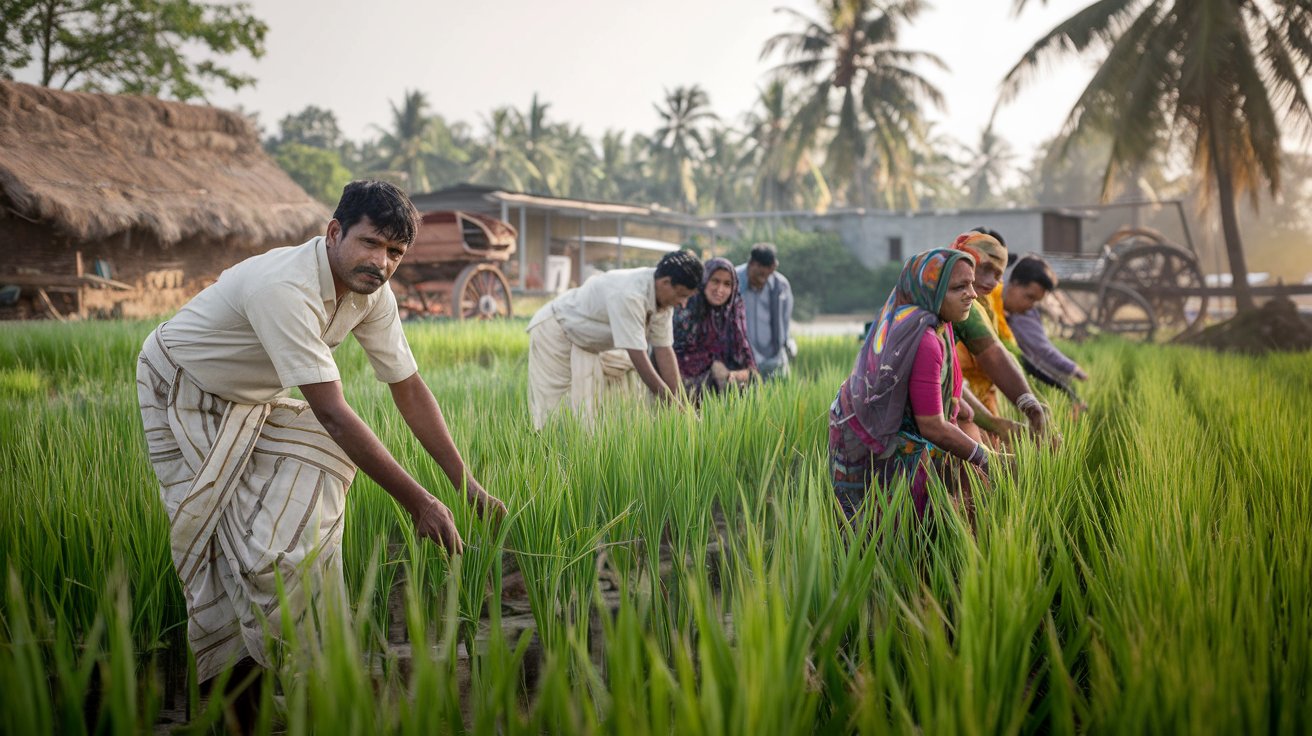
x=1035 y=345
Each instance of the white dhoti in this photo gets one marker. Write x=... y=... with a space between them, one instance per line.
x=562 y=373
x=254 y=493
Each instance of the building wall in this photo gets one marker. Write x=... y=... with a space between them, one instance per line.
x=871 y=236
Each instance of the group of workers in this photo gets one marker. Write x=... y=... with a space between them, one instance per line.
x=254 y=482
x=922 y=398
x=683 y=328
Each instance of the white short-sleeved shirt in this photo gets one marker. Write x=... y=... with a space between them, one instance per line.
x=615 y=309
x=272 y=321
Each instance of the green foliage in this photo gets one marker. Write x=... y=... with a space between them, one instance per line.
x=825 y=276
x=130 y=46
x=1129 y=583
x=319 y=172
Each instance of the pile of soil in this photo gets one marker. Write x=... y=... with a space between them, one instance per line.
x=1276 y=326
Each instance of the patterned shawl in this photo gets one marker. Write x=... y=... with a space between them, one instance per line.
x=876 y=393
x=704 y=333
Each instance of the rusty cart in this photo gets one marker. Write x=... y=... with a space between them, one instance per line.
x=1140 y=284
x=453 y=268
x=1137 y=284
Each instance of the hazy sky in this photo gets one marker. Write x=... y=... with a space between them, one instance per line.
x=603 y=63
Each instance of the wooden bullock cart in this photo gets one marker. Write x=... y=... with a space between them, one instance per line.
x=453 y=267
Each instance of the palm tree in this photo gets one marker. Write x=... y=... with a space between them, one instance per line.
x=860 y=87
x=988 y=165
x=780 y=165
x=680 y=141
x=404 y=147
x=501 y=159
x=1222 y=71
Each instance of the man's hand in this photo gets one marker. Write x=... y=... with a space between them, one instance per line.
x=434 y=521
x=489 y=507
x=1079 y=374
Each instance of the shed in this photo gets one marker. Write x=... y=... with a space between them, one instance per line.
x=562 y=241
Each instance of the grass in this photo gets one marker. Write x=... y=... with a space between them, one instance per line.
x=1152 y=576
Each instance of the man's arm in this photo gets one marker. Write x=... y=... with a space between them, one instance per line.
x=786 y=319
x=667 y=365
x=432 y=518
x=999 y=366
x=422 y=414
x=654 y=381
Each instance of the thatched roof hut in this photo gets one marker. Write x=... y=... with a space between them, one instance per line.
x=95 y=165
x=137 y=182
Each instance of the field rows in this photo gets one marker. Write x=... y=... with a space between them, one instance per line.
x=1152 y=576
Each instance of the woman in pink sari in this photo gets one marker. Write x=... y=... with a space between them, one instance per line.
x=895 y=417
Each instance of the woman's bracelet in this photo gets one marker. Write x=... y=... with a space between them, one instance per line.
x=979 y=456
x=1027 y=401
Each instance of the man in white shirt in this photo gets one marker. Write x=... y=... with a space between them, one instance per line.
x=629 y=310
x=254 y=482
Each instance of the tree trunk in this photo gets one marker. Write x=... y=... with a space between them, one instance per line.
x=1234 y=244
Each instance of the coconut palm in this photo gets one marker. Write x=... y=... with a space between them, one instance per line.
x=501 y=158
x=1223 y=73
x=404 y=147
x=988 y=165
x=680 y=142
x=780 y=165
x=860 y=89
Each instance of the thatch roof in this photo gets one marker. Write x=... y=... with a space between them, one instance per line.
x=95 y=165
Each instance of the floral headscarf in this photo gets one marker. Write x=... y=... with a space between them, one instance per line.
x=876 y=393
x=983 y=248
x=704 y=333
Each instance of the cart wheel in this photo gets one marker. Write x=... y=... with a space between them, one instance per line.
x=481 y=292
x=1157 y=271
x=1125 y=312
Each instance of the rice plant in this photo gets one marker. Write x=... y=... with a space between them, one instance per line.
x=688 y=573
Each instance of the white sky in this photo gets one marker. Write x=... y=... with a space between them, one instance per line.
x=603 y=63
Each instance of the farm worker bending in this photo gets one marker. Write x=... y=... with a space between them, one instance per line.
x=768 y=301
x=896 y=417
x=254 y=482
x=571 y=337
x=982 y=345
x=1030 y=281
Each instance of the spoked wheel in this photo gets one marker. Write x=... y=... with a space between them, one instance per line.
x=1168 y=277
x=1124 y=311
x=481 y=292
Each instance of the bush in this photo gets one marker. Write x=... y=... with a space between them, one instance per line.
x=826 y=277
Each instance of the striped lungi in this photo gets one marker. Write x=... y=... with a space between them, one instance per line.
x=254 y=493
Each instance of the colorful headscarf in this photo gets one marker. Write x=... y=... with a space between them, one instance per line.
x=704 y=333
x=983 y=248
x=876 y=393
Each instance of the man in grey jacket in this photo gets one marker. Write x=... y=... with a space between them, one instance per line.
x=768 y=299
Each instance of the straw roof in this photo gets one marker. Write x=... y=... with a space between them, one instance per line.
x=95 y=165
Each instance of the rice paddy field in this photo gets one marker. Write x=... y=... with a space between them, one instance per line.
x=685 y=574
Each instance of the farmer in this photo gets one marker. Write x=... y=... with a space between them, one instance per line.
x=896 y=415
x=623 y=310
x=1031 y=280
x=768 y=299
x=254 y=482
x=986 y=363
x=710 y=334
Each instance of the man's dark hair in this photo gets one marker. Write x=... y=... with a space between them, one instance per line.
x=683 y=267
x=764 y=254
x=991 y=233
x=1031 y=269
x=391 y=212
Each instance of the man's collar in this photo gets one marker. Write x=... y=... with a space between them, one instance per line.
x=651 y=293
x=327 y=289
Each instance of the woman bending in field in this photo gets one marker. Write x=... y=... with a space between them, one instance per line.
x=895 y=416
x=710 y=334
